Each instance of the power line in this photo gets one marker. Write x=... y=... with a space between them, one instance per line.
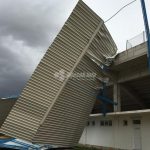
x=119 y=10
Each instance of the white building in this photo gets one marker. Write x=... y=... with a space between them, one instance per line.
x=127 y=131
x=127 y=125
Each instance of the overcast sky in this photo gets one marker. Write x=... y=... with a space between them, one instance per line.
x=28 y=27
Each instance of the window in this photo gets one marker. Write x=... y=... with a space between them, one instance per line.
x=125 y=122
x=110 y=122
x=102 y=123
x=106 y=123
x=136 y=121
x=93 y=123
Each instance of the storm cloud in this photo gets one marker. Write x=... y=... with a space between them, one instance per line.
x=27 y=28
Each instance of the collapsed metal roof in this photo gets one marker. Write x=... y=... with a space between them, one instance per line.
x=53 y=109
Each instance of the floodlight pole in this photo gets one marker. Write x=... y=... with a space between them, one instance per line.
x=146 y=29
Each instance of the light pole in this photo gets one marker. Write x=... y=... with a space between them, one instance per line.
x=146 y=29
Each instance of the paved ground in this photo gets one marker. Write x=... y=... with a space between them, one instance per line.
x=86 y=148
x=92 y=148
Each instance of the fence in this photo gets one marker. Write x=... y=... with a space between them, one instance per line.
x=139 y=39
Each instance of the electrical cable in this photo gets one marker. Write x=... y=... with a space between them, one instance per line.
x=119 y=10
x=116 y=118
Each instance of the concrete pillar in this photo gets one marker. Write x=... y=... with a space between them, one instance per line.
x=117 y=97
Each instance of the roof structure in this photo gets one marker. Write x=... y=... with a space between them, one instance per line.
x=55 y=104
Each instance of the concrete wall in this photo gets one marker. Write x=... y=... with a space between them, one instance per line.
x=5 y=107
x=146 y=132
x=117 y=135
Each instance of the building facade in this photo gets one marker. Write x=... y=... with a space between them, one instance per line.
x=126 y=126
x=125 y=131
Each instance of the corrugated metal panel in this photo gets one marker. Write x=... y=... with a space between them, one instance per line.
x=65 y=121
x=54 y=111
x=102 y=47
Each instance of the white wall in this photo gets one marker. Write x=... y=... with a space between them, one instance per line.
x=117 y=135
x=145 y=134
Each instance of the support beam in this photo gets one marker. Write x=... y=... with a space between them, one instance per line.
x=133 y=73
x=117 y=97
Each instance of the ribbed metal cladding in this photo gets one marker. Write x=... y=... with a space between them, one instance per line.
x=65 y=121
x=102 y=47
x=54 y=111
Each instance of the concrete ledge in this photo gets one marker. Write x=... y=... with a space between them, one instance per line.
x=122 y=113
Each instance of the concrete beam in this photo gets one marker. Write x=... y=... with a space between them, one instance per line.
x=130 y=54
x=133 y=73
x=129 y=75
x=117 y=97
x=131 y=64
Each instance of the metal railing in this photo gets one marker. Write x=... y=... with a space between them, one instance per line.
x=139 y=39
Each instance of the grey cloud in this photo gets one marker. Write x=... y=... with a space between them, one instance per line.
x=12 y=75
x=27 y=28
x=28 y=22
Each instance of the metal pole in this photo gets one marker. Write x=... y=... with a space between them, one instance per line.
x=146 y=29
